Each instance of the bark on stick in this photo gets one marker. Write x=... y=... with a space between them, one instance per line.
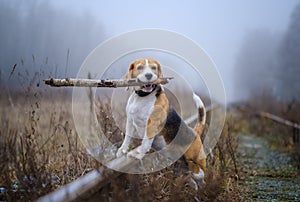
x=110 y=83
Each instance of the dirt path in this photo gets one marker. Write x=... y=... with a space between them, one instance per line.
x=269 y=174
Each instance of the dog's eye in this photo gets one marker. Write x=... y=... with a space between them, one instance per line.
x=153 y=67
x=140 y=67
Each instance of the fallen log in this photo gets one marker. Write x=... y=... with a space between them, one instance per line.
x=109 y=83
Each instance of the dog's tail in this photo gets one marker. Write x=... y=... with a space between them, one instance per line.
x=199 y=127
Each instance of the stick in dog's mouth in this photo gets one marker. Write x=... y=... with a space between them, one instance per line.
x=148 y=87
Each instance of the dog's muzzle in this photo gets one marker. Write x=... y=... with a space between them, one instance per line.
x=146 y=89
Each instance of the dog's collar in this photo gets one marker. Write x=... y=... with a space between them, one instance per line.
x=142 y=93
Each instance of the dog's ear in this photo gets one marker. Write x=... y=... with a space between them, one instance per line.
x=159 y=70
x=129 y=74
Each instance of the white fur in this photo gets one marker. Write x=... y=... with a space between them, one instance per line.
x=200 y=104
x=147 y=63
x=197 y=100
x=147 y=70
x=199 y=176
x=138 y=110
x=140 y=151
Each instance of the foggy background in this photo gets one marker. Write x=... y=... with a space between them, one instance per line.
x=269 y=62
x=255 y=44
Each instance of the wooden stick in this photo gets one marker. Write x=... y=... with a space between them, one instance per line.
x=110 y=83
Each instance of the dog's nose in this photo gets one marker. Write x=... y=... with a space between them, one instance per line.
x=148 y=76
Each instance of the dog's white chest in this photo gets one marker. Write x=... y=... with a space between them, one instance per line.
x=139 y=109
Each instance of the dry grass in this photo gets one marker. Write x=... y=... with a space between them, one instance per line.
x=39 y=147
x=171 y=183
x=40 y=151
x=281 y=137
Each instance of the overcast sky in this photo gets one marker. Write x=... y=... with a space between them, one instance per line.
x=218 y=27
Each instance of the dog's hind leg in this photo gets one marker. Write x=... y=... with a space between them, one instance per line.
x=196 y=166
x=196 y=160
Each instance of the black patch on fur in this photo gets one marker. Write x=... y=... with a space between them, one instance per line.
x=176 y=126
x=201 y=114
x=172 y=125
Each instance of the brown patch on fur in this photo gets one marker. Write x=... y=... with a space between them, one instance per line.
x=195 y=156
x=159 y=114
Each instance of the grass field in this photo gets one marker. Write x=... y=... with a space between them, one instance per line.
x=40 y=151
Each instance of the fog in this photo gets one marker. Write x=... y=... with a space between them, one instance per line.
x=256 y=64
x=36 y=35
x=269 y=63
x=253 y=45
x=288 y=54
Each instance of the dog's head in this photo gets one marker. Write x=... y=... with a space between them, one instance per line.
x=146 y=71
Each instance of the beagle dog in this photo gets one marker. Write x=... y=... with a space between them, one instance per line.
x=149 y=116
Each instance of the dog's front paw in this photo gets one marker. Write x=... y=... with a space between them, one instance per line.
x=121 y=152
x=136 y=153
